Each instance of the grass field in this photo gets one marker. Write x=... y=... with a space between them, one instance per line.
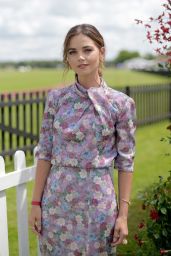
x=150 y=162
x=12 y=81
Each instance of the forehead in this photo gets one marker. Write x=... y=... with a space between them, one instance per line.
x=81 y=41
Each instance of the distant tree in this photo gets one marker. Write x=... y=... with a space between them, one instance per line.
x=32 y=64
x=125 y=55
x=149 y=56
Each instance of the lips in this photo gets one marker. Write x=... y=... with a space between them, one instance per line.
x=82 y=66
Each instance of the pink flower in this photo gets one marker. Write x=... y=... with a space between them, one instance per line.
x=165 y=29
x=163 y=251
x=141 y=225
x=154 y=215
x=136 y=237
x=138 y=240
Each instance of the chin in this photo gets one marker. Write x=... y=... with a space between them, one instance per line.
x=86 y=73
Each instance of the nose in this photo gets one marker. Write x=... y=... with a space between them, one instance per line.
x=81 y=56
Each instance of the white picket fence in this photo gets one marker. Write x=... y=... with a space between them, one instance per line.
x=18 y=179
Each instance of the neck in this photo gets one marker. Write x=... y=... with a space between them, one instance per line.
x=88 y=82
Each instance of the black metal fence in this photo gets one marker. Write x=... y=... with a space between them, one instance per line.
x=20 y=120
x=21 y=114
x=153 y=103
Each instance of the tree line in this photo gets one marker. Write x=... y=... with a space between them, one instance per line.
x=120 y=58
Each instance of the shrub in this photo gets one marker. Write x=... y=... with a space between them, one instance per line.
x=154 y=232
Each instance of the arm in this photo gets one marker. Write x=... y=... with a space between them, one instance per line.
x=42 y=171
x=43 y=154
x=124 y=185
x=124 y=190
x=125 y=143
x=44 y=151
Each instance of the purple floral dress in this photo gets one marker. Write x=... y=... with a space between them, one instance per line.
x=83 y=132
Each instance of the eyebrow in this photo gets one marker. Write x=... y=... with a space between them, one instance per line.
x=84 y=47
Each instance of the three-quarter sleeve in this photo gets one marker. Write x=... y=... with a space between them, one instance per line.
x=125 y=136
x=44 y=151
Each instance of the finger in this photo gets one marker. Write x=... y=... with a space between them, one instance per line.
x=34 y=230
x=121 y=240
x=38 y=225
x=116 y=235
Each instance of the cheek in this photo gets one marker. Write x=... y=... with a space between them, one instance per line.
x=95 y=60
x=95 y=57
x=71 y=64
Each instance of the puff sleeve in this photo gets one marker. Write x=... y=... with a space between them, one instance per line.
x=125 y=136
x=44 y=151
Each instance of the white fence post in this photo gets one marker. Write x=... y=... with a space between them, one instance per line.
x=3 y=216
x=22 y=216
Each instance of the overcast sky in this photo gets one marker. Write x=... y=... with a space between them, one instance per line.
x=35 y=29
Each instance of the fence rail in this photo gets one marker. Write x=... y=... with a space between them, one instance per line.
x=153 y=103
x=21 y=114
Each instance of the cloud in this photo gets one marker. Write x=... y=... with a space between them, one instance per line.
x=35 y=29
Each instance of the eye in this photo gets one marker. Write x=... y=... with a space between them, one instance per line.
x=71 y=52
x=88 y=50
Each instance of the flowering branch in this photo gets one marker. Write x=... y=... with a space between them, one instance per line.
x=158 y=30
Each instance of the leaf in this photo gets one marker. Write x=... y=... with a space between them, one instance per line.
x=163 y=210
x=156 y=236
x=164 y=232
x=153 y=202
x=160 y=65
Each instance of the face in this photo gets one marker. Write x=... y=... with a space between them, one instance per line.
x=84 y=56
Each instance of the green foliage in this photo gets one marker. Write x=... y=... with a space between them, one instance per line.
x=154 y=234
x=168 y=138
x=125 y=55
x=154 y=231
x=32 y=64
x=149 y=56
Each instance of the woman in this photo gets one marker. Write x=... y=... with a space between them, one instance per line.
x=86 y=127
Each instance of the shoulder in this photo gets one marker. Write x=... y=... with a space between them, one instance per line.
x=58 y=92
x=55 y=95
x=119 y=99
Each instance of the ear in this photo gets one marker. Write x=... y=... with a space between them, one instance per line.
x=102 y=50
x=102 y=53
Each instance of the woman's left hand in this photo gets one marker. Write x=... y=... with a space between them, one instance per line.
x=120 y=231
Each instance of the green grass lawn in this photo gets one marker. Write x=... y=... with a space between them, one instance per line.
x=150 y=162
x=12 y=80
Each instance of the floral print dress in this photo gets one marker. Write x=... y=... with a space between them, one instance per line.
x=84 y=131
